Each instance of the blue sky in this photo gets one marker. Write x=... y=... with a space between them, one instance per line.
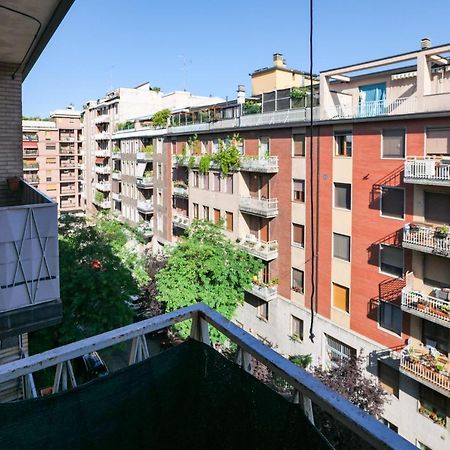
x=209 y=47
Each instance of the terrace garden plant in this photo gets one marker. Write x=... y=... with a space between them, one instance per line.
x=159 y=119
x=442 y=231
x=251 y=107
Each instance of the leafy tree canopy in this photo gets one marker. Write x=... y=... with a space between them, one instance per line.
x=206 y=267
x=159 y=119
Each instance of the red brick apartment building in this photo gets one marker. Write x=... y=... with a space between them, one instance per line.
x=379 y=276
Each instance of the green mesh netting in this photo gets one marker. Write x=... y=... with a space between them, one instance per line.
x=189 y=397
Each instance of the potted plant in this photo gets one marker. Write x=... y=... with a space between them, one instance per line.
x=441 y=232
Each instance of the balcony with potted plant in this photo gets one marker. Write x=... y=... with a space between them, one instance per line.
x=146 y=154
x=427 y=238
x=256 y=247
x=264 y=291
x=146 y=181
x=180 y=188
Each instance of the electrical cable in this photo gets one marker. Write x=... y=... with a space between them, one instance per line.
x=311 y=169
x=33 y=40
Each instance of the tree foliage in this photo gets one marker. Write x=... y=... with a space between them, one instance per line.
x=159 y=119
x=206 y=267
x=95 y=285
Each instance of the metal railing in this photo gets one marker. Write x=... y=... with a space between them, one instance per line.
x=267 y=164
x=103 y=118
x=103 y=169
x=103 y=153
x=261 y=249
x=401 y=105
x=116 y=176
x=144 y=182
x=102 y=186
x=181 y=191
x=263 y=291
x=102 y=136
x=426 y=304
x=427 y=171
x=426 y=239
x=355 y=419
x=260 y=207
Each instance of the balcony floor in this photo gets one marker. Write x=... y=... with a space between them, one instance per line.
x=187 y=397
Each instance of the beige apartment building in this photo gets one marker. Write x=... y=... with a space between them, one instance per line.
x=52 y=159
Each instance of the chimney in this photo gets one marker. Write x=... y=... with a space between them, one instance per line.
x=240 y=94
x=278 y=60
x=425 y=43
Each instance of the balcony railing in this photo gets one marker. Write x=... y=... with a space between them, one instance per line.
x=67 y=163
x=144 y=182
x=67 y=176
x=103 y=169
x=263 y=291
x=267 y=164
x=31 y=166
x=103 y=186
x=401 y=105
x=103 y=118
x=310 y=389
x=66 y=151
x=116 y=176
x=427 y=171
x=145 y=206
x=144 y=156
x=180 y=191
x=426 y=239
x=103 y=204
x=102 y=136
x=103 y=153
x=426 y=306
x=181 y=221
x=30 y=153
x=29 y=271
x=259 y=207
x=261 y=249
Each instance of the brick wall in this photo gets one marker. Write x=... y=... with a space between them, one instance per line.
x=10 y=127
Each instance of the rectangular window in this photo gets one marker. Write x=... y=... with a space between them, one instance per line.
x=216 y=216
x=298 y=141
x=392 y=202
x=436 y=336
x=216 y=182
x=50 y=160
x=297 y=328
x=195 y=205
x=206 y=181
x=342 y=195
x=263 y=310
x=298 y=234
x=297 y=280
x=337 y=351
x=264 y=149
x=343 y=143
x=48 y=178
x=299 y=190
x=206 y=212
x=341 y=246
x=438 y=141
x=229 y=216
x=390 y=317
x=229 y=184
x=391 y=260
x=388 y=378
x=437 y=207
x=50 y=147
x=393 y=143
x=195 y=176
x=341 y=297
x=433 y=405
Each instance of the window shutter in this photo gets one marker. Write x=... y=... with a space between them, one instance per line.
x=340 y=297
x=438 y=141
x=393 y=143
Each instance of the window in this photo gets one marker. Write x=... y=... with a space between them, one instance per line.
x=48 y=178
x=206 y=212
x=341 y=246
x=337 y=351
x=392 y=202
x=299 y=191
x=298 y=234
x=437 y=207
x=435 y=336
x=50 y=160
x=388 y=378
x=343 y=143
x=391 y=260
x=229 y=184
x=298 y=141
x=195 y=176
x=341 y=297
x=195 y=205
x=216 y=182
x=432 y=405
x=393 y=143
x=159 y=171
x=229 y=216
x=263 y=310
x=216 y=216
x=297 y=280
x=50 y=147
x=390 y=317
x=297 y=328
x=342 y=195
x=264 y=149
x=206 y=181
x=438 y=141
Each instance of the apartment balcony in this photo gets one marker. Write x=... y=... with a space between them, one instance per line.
x=427 y=307
x=116 y=154
x=103 y=118
x=117 y=196
x=31 y=178
x=215 y=391
x=103 y=186
x=82 y=166
x=68 y=205
x=29 y=167
x=144 y=156
x=180 y=220
x=102 y=136
x=67 y=164
x=427 y=239
x=69 y=176
x=67 y=138
x=66 y=190
x=145 y=206
x=116 y=176
x=180 y=190
x=429 y=171
x=102 y=204
x=30 y=153
x=259 y=207
x=66 y=151
x=261 y=249
x=263 y=291
x=103 y=169
x=29 y=270
x=145 y=182
x=106 y=153
x=431 y=370
x=259 y=164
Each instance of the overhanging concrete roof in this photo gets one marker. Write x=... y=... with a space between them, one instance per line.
x=26 y=27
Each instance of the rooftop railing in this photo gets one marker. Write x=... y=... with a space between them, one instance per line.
x=434 y=171
x=373 y=432
x=401 y=105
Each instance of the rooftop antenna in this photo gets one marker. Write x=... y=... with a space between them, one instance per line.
x=184 y=69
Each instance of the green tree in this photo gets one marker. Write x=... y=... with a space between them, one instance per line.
x=159 y=119
x=206 y=267
x=95 y=286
